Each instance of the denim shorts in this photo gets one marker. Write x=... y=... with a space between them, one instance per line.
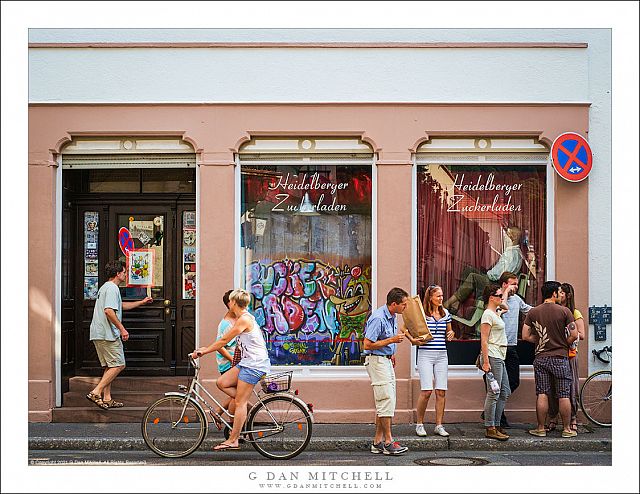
x=248 y=375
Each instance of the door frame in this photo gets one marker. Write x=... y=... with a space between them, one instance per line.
x=110 y=206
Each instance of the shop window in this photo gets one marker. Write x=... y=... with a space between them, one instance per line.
x=481 y=211
x=306 y=255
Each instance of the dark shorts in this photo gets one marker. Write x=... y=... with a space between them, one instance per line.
x=556 y=369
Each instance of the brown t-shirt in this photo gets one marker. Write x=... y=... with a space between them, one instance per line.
x=549 y=321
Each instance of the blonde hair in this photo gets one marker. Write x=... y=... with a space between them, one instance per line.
x=240 y=297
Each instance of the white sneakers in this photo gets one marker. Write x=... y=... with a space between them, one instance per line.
x=438 y=430
x=420 y=430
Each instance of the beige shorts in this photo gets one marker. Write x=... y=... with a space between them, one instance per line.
x=110 y=353
x=383 y=381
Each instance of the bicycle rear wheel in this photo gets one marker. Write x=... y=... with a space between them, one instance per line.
x=595 y=398
x=169 y=432
x=285 y=438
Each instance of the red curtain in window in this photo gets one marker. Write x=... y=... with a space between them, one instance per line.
x=460 y=229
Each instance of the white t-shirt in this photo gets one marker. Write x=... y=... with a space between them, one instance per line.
x=253 y=348
x=108 y=298
x=497 y=337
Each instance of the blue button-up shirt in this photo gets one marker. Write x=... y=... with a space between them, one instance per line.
x=510 y=318
x=380 y=326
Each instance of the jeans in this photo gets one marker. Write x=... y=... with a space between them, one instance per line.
x=494 y=403
x=512 y=363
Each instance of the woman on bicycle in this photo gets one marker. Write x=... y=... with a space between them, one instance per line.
x=566 y=297
x=238 y=382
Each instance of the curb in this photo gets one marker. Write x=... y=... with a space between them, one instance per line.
x=354 y=444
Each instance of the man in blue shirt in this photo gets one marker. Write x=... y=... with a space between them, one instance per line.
x=509 y=283
x=108 y=333
x=380 y=339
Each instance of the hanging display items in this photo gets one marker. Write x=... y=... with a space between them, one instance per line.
x=189 y=255
x=90 y=287
x=190 y=219
x=155 y=244
x=90 y=260
x=142 y=230
x=140 y=268
x=90 y=267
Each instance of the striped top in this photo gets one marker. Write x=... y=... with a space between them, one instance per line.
x=438 y=329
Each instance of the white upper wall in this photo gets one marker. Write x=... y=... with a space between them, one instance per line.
x=83 y=75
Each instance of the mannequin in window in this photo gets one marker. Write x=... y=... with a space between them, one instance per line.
x=474 y=280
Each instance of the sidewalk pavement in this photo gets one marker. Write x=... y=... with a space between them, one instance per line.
x=329 y=437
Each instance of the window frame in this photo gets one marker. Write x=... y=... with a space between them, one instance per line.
x=470 y=370
x=310 y=371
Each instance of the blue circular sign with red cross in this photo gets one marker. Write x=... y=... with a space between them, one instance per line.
x=125 y=240
x=571 y=157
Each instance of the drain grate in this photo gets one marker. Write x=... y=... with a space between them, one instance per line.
x=451 y=461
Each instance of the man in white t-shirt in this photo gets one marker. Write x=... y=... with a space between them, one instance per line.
x=108 y=333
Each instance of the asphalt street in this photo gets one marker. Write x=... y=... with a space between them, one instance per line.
x=249 y=457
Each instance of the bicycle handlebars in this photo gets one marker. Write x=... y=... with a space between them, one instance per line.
x=193 y=361
x=598 y=354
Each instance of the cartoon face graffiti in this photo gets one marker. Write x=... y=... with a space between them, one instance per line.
x=355 y=300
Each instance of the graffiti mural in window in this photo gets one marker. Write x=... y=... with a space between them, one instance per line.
x=306 y=253
x=474 y=223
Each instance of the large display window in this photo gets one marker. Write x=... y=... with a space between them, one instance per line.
x=481 y=212
x=306 y=258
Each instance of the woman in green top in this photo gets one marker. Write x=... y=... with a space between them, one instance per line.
x=493 y=346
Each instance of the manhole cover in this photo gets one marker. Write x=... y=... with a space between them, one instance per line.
x=451 y=462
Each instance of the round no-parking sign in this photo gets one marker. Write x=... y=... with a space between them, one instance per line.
x=571 y=157
x=125 y=241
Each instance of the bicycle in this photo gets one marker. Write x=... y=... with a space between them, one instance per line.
x=595 y=393
x=278 y=426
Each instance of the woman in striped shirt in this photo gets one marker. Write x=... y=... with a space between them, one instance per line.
x=432 y=360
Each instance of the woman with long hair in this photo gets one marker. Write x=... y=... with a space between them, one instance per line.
x=493 y=351
x=432 y=359
x=566 y=297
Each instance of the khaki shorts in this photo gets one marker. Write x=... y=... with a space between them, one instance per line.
x=110 y=353
x=383 y=381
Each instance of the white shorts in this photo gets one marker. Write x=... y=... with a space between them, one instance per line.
x=433 y=367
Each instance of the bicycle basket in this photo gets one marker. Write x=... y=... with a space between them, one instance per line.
x=274 y=383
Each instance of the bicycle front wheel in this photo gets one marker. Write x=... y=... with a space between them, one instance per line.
x=171 y=429
x=595 y=398
x=281 y=427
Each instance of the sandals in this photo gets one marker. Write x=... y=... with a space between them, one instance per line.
x=552 y=426
x=113 y=403
x=574 y=426
x=97 y=400
x=225 y=447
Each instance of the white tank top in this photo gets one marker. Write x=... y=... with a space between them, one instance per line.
x=253 y=348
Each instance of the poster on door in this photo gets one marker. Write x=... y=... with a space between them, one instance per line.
x=140 y=268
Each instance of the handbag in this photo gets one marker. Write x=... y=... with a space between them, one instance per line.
x=415 y=319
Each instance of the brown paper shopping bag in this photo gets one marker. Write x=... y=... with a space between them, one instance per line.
x=415 y=319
